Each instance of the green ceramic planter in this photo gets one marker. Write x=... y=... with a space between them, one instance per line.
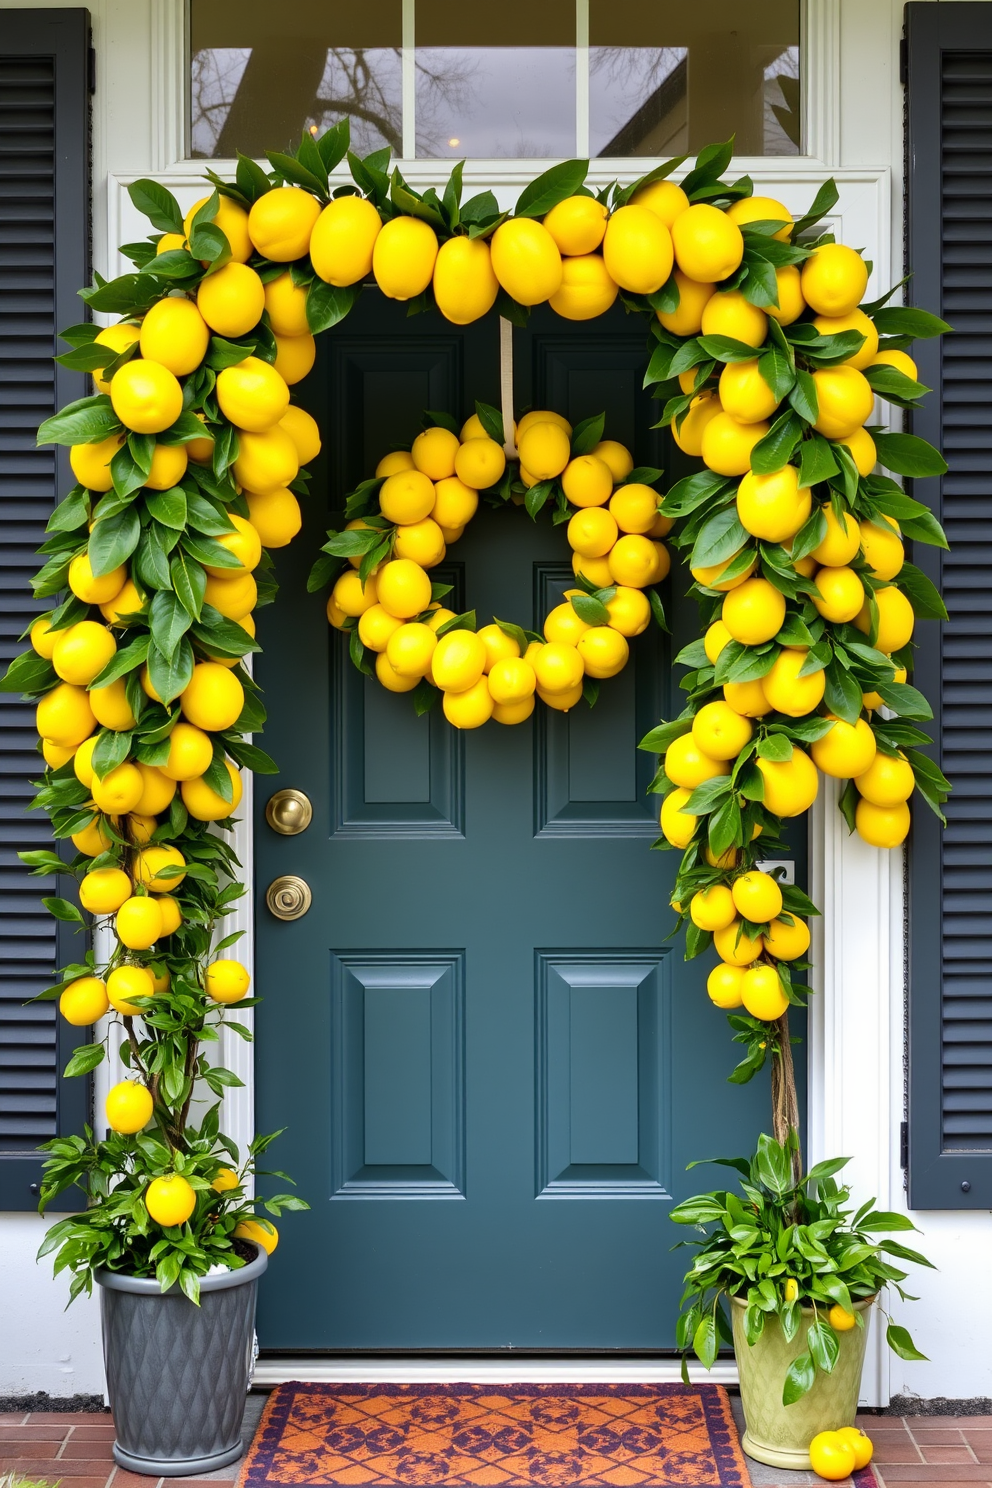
x=780 y=1434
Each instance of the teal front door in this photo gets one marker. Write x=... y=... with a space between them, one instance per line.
x=491 y=1064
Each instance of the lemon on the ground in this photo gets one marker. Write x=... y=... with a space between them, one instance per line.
x=773 y=507
x=213 y=698
x=454 y=504
x=526 y=260
x=831 y=1456
x=170 y=1200
x=275 y=516
x=103 y=890
x=842 y=541
x=719 y=732
x=128 y=1107
x=403 y=257
x=845 y=400
x=882 y=826
x=730 y=314
x=423 y=542
x=786 y=690
x=470 y=707
x=433 y=453
x=753 y=612
x=81 y=652
x=235 y=595
x=882 y=547
x=64 y=716
x=604 y=651
x=858 y=1440
x=726 y=445
x=226 y=980
x=586 y=288
x=499 y=646
x=593 y=531
x=855 y=320
x=342 y=240
x=84 y=1001
x=712 y=908
x=757 y=896
x=632 y=561
x=409 y=649
x=512 y=680
x=747 y=698
x=687 y=319
x=558 y=668
x=886 y=781
x=677 y=825
x=847 y=750
x=172 y=915
x=688 y=434
x=900 y=360
x=146 y=396
x=634 y=507
x=90 y=463
x=895 y=620
x=723 y=985
x=402 y=587
x=791 y=785
x=545 y=450
x=834 y=279
x=126 y=982
x=787 y=942
x=745 y=394
x=840 y=595
x=458 y=661
x=151 y=860
x=281 y=221
x=637 y=249
x=262 y=1231
x=629 y=610
x=479 y=463
x=587 y=481
x=266 y=461
x=175 y=334
x=596 y=570
x=92 y=590
x=511 y=713
x=138 y=923
x=734 y=947
x=709 y=577
x=791 y=303
x=716 y=637
x=205 y=804
x=577 y=224
x=54 y=755
x=252 y=395
x=225 y=1180
x=465 y=286
x=708 y=245
x=762 y=209
x=375 y=626
x=686 y=764
x=762 y=993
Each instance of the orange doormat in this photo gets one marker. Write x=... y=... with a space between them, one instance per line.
x=488 y=1436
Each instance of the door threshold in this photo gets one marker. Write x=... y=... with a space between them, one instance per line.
x=279 y=1369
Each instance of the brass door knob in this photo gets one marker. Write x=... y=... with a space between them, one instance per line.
x=288 y=812
x=288 y=897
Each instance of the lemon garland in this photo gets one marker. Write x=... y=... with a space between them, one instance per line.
x=190 y=462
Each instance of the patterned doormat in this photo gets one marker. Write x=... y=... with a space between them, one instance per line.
x=488 y=1436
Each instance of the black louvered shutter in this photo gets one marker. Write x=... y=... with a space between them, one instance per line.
x=44 y=258
x=949 y=70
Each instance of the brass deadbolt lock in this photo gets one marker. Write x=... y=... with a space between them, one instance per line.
x=288 y=897
x=288 y=812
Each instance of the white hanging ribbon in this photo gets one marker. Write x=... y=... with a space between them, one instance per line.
x=506 y=386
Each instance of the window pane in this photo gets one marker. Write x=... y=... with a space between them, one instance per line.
x=478 y=93
x=262 y=71
x=666 y=78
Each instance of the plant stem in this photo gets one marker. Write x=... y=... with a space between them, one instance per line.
x=785 y=1102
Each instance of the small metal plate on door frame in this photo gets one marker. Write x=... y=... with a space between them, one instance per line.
x=771 y=864
x=288 y=897
x=288 y=812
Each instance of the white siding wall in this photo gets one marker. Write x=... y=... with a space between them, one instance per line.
x=856 y=1038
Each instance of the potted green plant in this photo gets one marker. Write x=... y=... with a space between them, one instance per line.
x=801 y=1274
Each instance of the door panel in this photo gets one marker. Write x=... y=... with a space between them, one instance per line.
x=492 y=1065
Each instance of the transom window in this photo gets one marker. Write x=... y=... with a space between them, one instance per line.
x=437 y=80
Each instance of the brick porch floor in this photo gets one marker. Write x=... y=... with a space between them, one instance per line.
x=74 y=1449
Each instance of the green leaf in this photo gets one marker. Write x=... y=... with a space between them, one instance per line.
x=113 y=540
x=168 y=507
x=465 y=621
x=111 y=750
x=777 y=371
x=799 y=1379
x=492 y=421
x=720 y=537
x=903 y=699
x=168 y=620
x=61 y=909
x=810 y=535
x=921 y=593
x=711 y=162
x=591 y=610
x=87 y=421
x=327 y=304
x=84 y=1059
x=894 y=386
x=127 y=659
x=29 y=673
x=550 y=188
x=587 y=434
x=705 y=1343
x=537 y=496
x=189 y=582
x=692 y=492
x=157 y=204
x=803 y=397
x=842 y=694
x=773 y=451
x=906 y=320
x=291 y=170
x=907 y=454
x=726 y=349
x=822 y=1343
x=776 y=747
x=901 y=1343
x=826 y=197
x=816 y=460
x=170 y=676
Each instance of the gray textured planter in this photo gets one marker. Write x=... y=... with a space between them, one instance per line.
x=177 y=1375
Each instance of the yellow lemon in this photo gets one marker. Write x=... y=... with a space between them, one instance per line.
x=688 y=434
x=882 y=548
x=44 y=638
x=391 y=679
x=726 y=445
x=225 y=1180
x=172 y=915
x=762 y=209
x=234 y=596
x=119 y=791
x=593 y=531
x=851 y=1434
x=128 y=1107
x=499 y=646
x=286 y=304
x=687 y=765
x=677 y=826
x=226 y=981
x=773 y=507
x=603 y=650
x=266 y=461
x=90 y=463
x=275 y=516
x=167 y=468
x=118 y=338
x=714 y=640
x=787 y=942
x=201 y=450
x=146 y=396
x=295 y=356
x=855 y=320
x=745 y=394
x=895 y=621
x=343 y=239
x=410 y=648
x=558 y=668
x=863 y=451
x=898 y=359
x=596 y=570
x=92 y=840
x=232 y=221
x=719 y=732
x=841 y=542
x=730 y=314
x=561 y=702
x=454 y=503
x=616 y=457
x=406 y=497
x=280 y=223
x=125 y=983
x=469 y=708
x=157 y=791
x=545 y=450
x=541 y=416
x=54 y=755
x=82 y=761
x=762 y=993
x=753 y=612
x=252 y=395
x=791 y=786
x=459 y=661
x=213 y=698
x=375 y=626
x=421 y=541
x=723 y=986
x=734 y=947
x=713 y=908
x=747 y=698
x=586 y=480
x=479 y=463
x=586 y=288
x=140 y=828
x=351 y=597
x=757 y=897
x=846 y=751
x=260 y=1231
x=664 y=198
x=786 y=690
x=402 y=588
x=243 y=543
x=882 y=826
x=465 y=287
x=687 y=318
x=886 y=781
x=577 y=224
x=104 y=890
x=232 y=300
x=139 y=923
x=84 y=1001
x=175 y=334
x=149 y=863
x=90 y=590
x=629 y=611
x=169 y=242
x=637 y=250
x=82 y=652
x=634 y=507
x=512 y=680
x=403 y=257
x=395 y=463
x=510 y=713
x=170 y=1200
x=790 y=303
x=873 y=699
x=632 y=561
x=845 y=400
x=841 y=594
x=433 y=454
x=205 y=804
x=834 y=280
x=64 y=716
x=708 y=245
x=526 y=261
